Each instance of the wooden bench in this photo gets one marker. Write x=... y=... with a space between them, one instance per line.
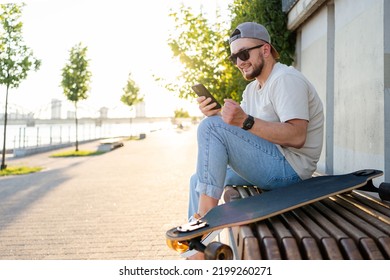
x=353 y=226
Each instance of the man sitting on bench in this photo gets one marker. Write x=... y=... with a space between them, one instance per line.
x=272 y=139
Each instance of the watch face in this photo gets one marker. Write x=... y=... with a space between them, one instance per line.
x=248 y=123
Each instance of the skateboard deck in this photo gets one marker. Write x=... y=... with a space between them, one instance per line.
x=271 y=203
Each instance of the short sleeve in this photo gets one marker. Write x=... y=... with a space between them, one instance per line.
x=290 y=98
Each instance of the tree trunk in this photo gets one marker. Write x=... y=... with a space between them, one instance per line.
x=77 y=128
x=3 y=165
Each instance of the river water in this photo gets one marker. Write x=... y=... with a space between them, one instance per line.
x=23 y=136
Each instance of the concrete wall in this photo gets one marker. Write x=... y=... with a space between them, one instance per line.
x=312 y=39
x=344 y=49
x=359 y=110
x=386 y=73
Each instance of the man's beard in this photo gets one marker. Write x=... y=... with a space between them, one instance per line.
x=256 y=71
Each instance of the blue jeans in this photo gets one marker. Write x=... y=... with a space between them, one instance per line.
x=229 y=155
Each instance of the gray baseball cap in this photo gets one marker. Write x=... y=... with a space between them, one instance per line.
x=255 y=31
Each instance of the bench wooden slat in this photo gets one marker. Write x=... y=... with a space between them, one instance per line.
x=246 y=243
x=371 y=230
x=291 y=249
x=347 y=245
x=325 y=223
x=350 y=250
x=328 y=244
x=381 y=206
x=310 y=249
x=271 y=249
x=366 y=216
x=351 y=216
x=368 y=213
x=253 y=190
x=297 y=229
x=306 y=241
x=311 y=225
x=369 y=249
x=331 y=249
x=263 y=230
x=385 y=245
x=288 y=243
x=268 y=244
x=242 y=191
x=340 y=222
x=250 y=245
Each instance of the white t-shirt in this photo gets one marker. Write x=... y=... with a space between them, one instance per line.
x=288 y=95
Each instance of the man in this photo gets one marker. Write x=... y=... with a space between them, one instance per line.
x=272 y=139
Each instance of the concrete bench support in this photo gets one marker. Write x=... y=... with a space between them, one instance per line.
x=107 y=145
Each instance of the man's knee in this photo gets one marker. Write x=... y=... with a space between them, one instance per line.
x=209 y=122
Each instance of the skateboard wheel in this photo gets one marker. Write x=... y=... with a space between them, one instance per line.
x=384 y=191
x=218 y=251
x=180 y=247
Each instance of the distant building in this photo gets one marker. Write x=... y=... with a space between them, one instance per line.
x=55 y=109
x=103 y=113
x=140 y=111
x=70 y=114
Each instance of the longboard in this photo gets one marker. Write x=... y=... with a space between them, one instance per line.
x=268 y=204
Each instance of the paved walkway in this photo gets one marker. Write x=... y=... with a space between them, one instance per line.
x=114 y=206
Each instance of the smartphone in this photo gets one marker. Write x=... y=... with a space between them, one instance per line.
x=201 y=90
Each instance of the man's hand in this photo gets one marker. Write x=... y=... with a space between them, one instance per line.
x=291 y=133
x=233 y=114
x=206 y=108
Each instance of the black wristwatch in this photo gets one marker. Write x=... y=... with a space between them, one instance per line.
x=248 y=123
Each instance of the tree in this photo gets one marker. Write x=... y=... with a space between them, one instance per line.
x=130 y=95
x=76 y=79
x=181 y=113
x=16 y=59
x=203 y=48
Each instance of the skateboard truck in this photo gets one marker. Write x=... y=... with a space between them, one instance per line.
x=191 y=226
x=214 y=251
x=365 y=172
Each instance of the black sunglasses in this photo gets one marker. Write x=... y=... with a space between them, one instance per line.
x=243 y=54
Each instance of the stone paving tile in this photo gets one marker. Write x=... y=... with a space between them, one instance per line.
x=114 y=206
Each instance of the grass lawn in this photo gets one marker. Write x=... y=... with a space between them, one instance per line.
x=19 y=170
x=77 y=154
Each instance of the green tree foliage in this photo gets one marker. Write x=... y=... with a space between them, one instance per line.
x=181 y=113
x=16 y=59
x=76 y=78
x=130 y=95
x=201 y=48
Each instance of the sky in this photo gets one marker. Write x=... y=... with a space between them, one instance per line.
x=122 y=36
